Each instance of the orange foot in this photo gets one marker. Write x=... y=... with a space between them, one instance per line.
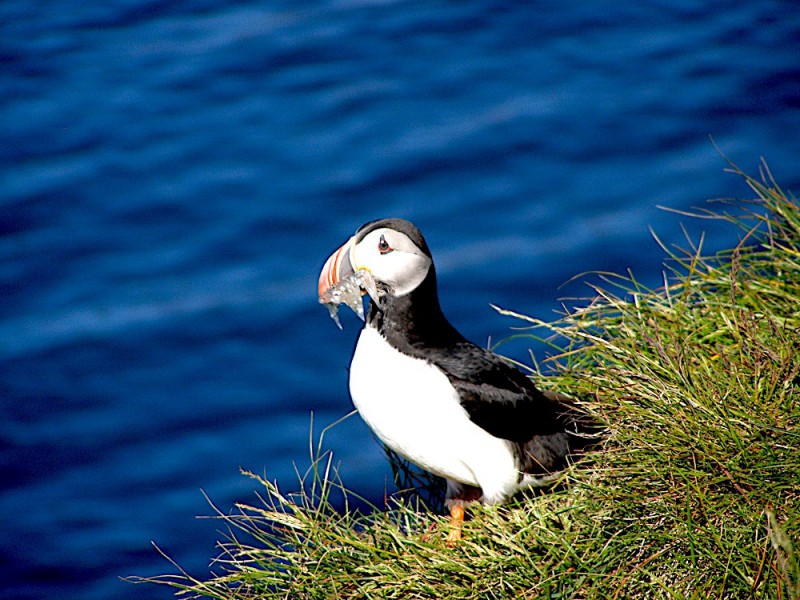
x=456 y=520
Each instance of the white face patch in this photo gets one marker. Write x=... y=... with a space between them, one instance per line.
x=393 y=259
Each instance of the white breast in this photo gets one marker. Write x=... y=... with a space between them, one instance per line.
x=412 y=407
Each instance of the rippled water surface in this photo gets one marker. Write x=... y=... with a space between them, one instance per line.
x=175 y=173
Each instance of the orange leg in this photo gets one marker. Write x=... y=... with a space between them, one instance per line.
x=456 y=520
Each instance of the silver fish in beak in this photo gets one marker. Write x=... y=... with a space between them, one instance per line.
x=339 y=283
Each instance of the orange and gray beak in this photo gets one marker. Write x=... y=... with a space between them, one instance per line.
x=336 y=268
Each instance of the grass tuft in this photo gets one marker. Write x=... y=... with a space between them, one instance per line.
x=695 y=492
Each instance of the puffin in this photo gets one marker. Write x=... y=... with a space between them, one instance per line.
x=445 y=404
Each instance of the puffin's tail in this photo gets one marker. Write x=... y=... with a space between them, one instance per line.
x=584 y=431
x=548 y=454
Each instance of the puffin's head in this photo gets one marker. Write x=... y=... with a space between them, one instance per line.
x=392 y=250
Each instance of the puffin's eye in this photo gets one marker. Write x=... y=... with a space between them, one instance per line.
x=383 y=246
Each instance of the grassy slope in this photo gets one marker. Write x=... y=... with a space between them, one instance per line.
x=695 y=494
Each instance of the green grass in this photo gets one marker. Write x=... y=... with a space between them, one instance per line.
x=695 y=492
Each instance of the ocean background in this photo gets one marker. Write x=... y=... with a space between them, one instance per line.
x=173 y=175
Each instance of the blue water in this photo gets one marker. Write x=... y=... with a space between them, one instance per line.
x=174 y=174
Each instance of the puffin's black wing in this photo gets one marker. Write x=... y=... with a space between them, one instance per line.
x=498 y=397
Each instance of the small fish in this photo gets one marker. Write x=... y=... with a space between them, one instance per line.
x=349 y=291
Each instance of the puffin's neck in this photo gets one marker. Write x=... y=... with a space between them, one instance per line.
x=414 y=321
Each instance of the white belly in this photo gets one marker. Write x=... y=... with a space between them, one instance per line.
x=413 y=409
